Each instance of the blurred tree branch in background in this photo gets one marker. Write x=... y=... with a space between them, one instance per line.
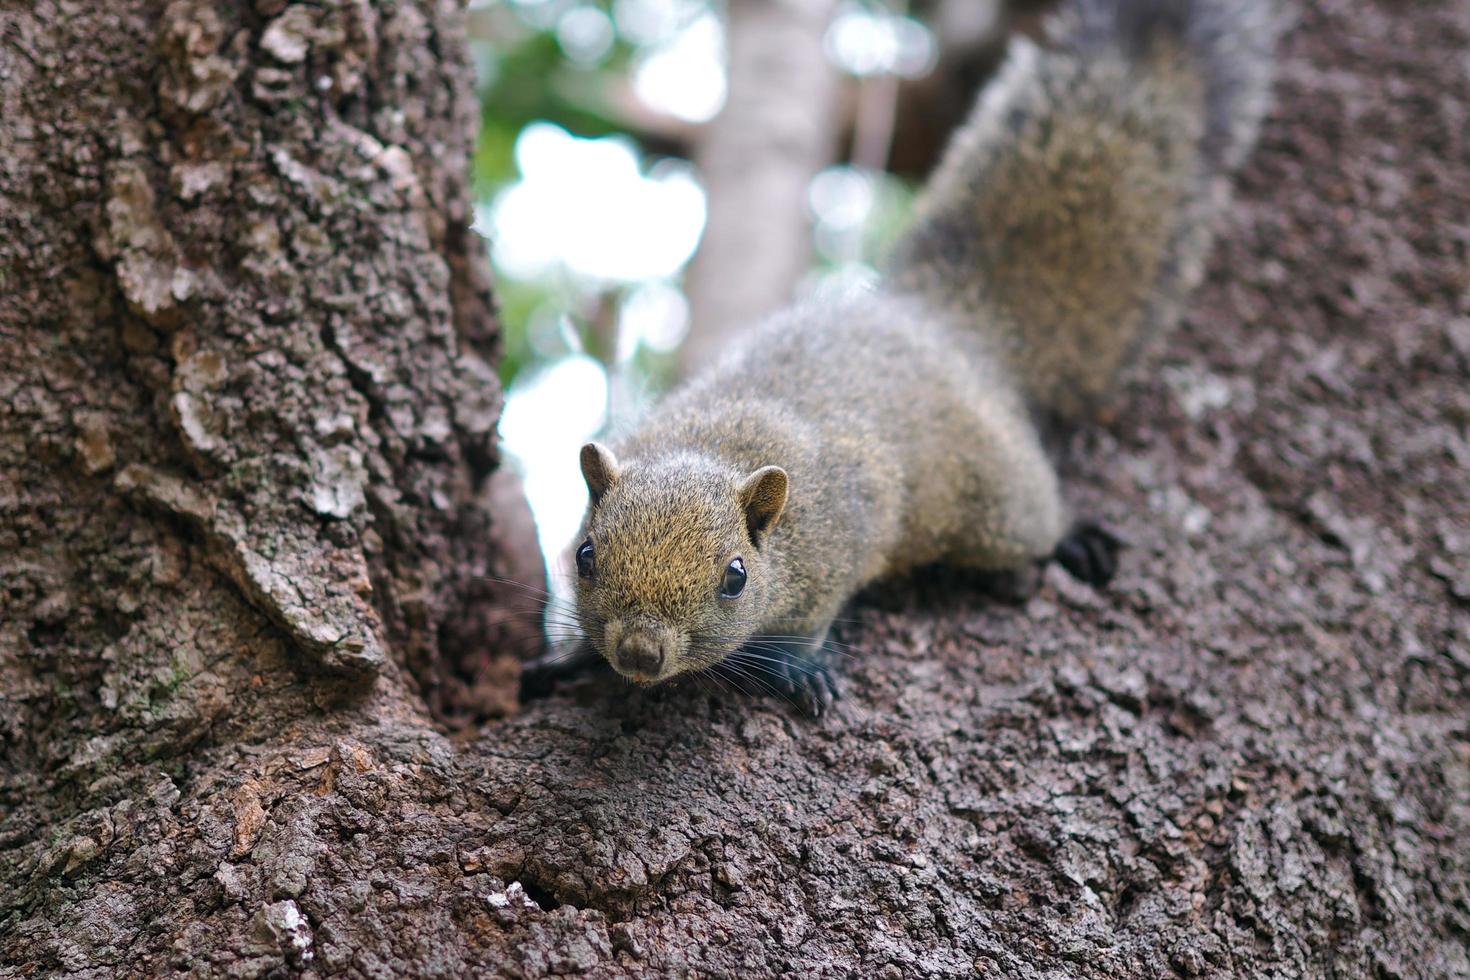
x=789 y=115
x=779 y=127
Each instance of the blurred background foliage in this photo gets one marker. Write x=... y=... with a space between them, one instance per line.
x=591 y=115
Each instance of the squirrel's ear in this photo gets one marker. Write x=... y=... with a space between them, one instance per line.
x=762 y=497
x=599 y=469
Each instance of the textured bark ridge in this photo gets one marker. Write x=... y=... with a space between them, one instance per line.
x=244 y=416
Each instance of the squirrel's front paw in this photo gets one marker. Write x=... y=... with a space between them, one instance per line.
x=809 y=683
x=1089 y=552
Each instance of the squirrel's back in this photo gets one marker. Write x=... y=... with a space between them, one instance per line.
x=1073 y=211
x=863 y=397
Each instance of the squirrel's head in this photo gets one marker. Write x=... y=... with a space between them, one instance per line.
x=673 y=570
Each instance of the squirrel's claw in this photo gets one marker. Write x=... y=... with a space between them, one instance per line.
x=809 y=683
x=1089 y=552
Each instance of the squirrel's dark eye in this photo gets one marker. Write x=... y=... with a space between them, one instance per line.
x=734 y=581
x=586 y=559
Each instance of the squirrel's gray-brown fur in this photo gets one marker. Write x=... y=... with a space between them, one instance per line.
x=845 y=440
x=1073 y=211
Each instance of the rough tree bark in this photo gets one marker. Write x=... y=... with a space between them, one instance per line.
x=1251 y=757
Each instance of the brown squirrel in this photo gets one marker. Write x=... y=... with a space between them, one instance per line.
x=843 y=441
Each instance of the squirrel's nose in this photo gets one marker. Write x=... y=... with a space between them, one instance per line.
x=641 y=655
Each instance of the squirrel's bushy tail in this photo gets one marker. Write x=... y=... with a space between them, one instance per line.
x=1072 y=212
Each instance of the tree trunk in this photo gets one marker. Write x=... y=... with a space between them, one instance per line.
x=247 y=411
x=244 y=420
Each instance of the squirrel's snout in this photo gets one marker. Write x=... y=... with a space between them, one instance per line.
x=640 y=656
